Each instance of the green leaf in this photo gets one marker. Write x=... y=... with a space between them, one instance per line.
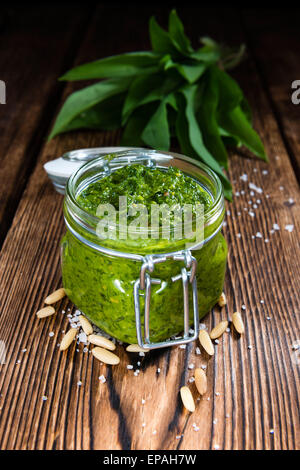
x=190 y=136
x=145 y=89
x=236 y=123
x=190 y=72
x=230 y=94
x=210 y=52
x=160 y=40
x=124 y=65
x=207 y=119
x=156 y=133
x=136 y=123
x=105 y=115
x=176 y=31
x=85 y=99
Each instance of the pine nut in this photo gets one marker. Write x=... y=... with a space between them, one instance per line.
x=222 y=300
x=101 y=341
x=85 y=324
x=135 y=348
x=55 y=296
x=201 y=381
x=105 y=356
x=238 y=323
x=187 y=399
x=68 y=339
x=219 y=329
x=206 y=343
x=45 y=312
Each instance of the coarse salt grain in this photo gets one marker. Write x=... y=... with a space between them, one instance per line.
x=129 y=366
x=276 y=227
x=198 y=351
x=255 y=188
x=258 y=235
x=79 y=383
x=51 y=334
x=289 y=227
x=102 y=379
x=244 y=307
x=82 y=338
x=244 y=177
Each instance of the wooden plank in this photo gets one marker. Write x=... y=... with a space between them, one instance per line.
x=37 y=47
x=251 y=391
x=274 y=38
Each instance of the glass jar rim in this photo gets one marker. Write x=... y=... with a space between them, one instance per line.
x=107 y=163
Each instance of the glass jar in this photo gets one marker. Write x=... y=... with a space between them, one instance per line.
x=121 y=285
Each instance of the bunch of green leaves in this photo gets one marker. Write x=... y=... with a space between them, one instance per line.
x=171 y=91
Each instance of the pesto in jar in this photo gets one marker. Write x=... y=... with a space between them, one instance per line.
x=101 y=285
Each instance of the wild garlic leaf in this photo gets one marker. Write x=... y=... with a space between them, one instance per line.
x=230 y=94
x=123 y=65
x=135 y=125
x=176 y=31
x=236 y=123
x=148 y=88
x=207 y=119
x=156 y=133
x=105 y=115
x=161 y=41
x=190 y=72
x=85 y=99
x=195 y=135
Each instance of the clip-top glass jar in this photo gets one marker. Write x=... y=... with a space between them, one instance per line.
x=142 y=289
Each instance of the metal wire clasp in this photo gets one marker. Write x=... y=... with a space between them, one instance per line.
x=188 y=276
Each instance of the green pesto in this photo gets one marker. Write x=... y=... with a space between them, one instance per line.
x=101 y=286
x=144 y=185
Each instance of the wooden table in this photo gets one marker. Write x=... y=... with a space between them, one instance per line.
x=253 y=389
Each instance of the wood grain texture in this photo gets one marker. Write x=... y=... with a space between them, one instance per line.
x=32 y=89
x=250 y=391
